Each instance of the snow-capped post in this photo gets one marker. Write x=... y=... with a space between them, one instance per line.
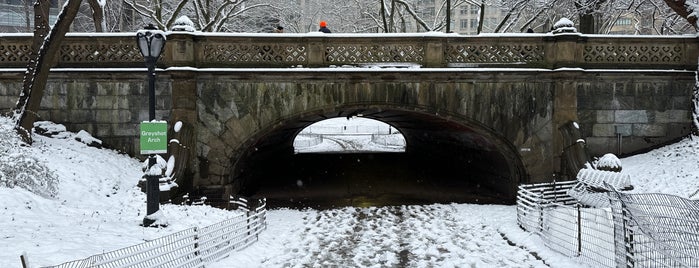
x=151 y=42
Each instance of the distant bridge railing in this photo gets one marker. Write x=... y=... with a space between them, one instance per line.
x=431 y=50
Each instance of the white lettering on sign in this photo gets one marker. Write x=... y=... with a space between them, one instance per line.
x=154 y=133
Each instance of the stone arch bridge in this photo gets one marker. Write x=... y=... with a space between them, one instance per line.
x=480 y=114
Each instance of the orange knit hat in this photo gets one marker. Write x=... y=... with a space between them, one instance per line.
x=323 y=24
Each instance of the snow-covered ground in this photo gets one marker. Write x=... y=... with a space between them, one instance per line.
x=97 y=208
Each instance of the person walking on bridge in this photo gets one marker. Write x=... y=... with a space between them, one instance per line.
x=324 y=27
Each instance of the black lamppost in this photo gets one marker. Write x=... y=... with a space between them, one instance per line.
x=151 y=42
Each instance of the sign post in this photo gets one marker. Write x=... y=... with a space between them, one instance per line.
x=153 y=141
x=153 y=137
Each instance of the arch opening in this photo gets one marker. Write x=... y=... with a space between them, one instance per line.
x=349 y=135
x=445 y=160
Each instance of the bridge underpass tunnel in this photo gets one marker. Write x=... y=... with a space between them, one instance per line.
x=443 y=162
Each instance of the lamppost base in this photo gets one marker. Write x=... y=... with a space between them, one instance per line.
x=149 y=222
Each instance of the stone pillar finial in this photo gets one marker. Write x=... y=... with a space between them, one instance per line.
x=564 y=25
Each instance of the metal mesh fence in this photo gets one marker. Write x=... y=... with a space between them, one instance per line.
x=659 y=230
x=638 y=230
x=189 y=248
x=585 y=233
x=566 y=227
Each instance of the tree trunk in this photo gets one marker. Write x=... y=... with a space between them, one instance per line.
x=383 y=16
x=481 y=17
x=680 y=7
x=97 y=15
x=587 y=23
x=29 y=102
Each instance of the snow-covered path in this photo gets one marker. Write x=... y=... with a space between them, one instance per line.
x=456 y=235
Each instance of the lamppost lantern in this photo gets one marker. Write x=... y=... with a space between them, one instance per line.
x=151 y=42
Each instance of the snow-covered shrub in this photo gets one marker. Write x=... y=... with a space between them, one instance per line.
x=22 y=170
x=609 y=162
x=26 y=172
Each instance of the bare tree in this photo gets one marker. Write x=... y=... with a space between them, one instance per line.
x=97 y=7
x=208 y=15
x=684 y=10
x=25 y=112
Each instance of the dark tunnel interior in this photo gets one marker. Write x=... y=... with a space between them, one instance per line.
x=444 y=162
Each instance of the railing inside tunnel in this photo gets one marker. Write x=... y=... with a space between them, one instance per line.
x=431 y=50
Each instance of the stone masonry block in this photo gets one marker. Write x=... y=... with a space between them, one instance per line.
x=649 y=130
x=672 y=116
x=603 y=130
x=631 y=116
x=610 y=130
x=605 y=116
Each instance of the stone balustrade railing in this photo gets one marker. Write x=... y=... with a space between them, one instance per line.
x=431 y=50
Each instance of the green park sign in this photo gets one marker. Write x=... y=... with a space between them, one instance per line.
x=153 y=137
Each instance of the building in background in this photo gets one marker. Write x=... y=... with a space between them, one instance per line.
x=18 y=15
x=465 y=17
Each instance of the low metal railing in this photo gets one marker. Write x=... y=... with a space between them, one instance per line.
x=193 y=247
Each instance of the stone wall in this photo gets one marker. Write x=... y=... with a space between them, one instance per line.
x=641 y=112
x=109 y=106
x=518 y=110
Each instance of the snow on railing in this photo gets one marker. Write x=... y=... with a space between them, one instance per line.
x=193 y=247
x=250 y=50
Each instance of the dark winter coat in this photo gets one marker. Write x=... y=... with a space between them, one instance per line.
x=324 y=29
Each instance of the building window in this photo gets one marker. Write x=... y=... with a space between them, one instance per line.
x=473 y=23
x=474 y=10
x=623 y=21
x=463 y=10
x=464 y=24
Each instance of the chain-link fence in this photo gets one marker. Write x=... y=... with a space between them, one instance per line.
x=638 y=230
x=193 y=247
